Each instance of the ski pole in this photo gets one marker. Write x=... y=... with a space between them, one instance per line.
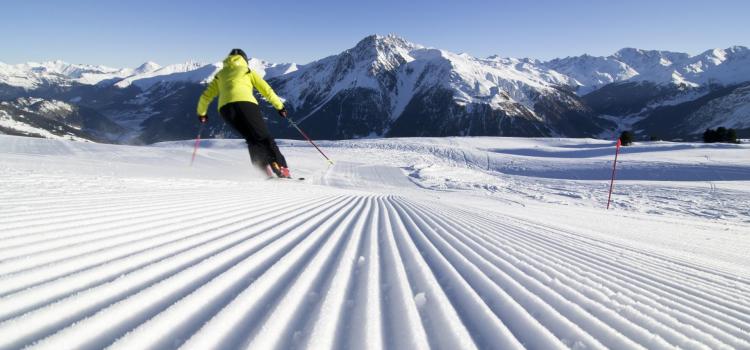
x=308 y=139
x=197 y=144
x=614 y=167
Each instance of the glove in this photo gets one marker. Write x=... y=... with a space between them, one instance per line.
x=282 y=112
x=203 y=118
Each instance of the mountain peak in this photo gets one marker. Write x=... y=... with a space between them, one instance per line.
x=639 y=56
x=373 y=45
x=377 y=53
x=390 y=39
x=730 y=52
x=147 y=67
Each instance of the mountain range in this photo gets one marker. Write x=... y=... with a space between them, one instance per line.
x=386 y=86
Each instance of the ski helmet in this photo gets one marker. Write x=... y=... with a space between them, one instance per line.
x=238 y=52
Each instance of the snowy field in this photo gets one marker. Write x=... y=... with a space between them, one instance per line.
x=450 y=243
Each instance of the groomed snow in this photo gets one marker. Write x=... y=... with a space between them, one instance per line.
x=455 y=243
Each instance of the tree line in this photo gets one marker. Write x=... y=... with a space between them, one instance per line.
x=720 y=134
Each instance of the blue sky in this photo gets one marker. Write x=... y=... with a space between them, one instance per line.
x=127 y=33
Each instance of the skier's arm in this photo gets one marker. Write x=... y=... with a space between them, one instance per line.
x=266 y=91
x=208 y=95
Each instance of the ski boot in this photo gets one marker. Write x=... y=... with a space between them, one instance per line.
x=281 y=171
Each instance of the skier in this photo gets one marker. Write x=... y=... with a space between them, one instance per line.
x=238 y=107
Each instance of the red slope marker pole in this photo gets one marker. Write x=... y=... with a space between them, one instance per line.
x=614 y=168
x=197 y=144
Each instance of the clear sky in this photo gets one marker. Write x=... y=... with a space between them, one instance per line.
x=130 y=32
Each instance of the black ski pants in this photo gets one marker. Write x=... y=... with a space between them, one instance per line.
x=245 y=117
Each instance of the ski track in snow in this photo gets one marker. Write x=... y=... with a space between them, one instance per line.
x=272 y=265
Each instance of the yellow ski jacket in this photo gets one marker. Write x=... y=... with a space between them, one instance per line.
x=234 y=83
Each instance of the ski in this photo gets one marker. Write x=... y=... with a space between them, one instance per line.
x=287 y=178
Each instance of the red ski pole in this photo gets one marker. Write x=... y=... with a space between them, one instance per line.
x=308 y=139
x=614 y=168
x=197 y=144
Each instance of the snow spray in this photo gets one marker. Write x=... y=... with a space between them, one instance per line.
x=614 y=168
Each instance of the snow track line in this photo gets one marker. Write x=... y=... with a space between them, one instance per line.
x=468 y=280
x=245 y=312
x=121 y=317
x=95 y=209
x=583 y=284
x=406 y=330
x=361 y=322
x=661 y=280
x=109 y=270
x=322 y=324
x=536 y=298
x=108 y=224
x=120 y=251
x=437 y=320
x=607 y=334
x=556 y=301
x=717 y=323
x=678 y=265
x=665 y=298
x=119 y=231
x=655 y=262
x=204 y=305
x=224 y=247
x=342 y=269
x=688 y=267
x=295 y=307
x=104 y=202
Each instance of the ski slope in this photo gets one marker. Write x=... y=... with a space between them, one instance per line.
x=453 y=243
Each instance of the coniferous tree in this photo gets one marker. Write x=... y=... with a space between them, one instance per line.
x=721 y=134
x=732 y=136
x=709 y=136
x=626 y=138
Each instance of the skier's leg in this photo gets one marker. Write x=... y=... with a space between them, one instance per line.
x=258 y=155
x=234 y=115
x=262 y=135
x=273 y=149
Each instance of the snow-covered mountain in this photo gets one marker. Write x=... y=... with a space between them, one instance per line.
x=589 y=73
x=718 y=66
x=661 y=92
x=55 y=119
x=193 y=72
x=149 y=102
x=388 y=86
x=731 y=110
x=33 y=75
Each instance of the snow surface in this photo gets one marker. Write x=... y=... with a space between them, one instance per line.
x=455 y=243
